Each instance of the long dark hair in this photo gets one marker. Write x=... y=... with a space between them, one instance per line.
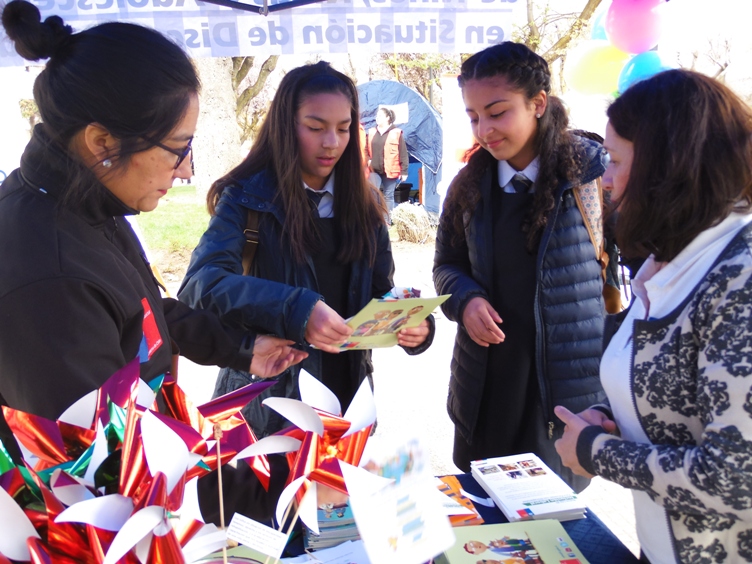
x=692 y=162
x=527 y=73
x=130 y=79
x=357 y=212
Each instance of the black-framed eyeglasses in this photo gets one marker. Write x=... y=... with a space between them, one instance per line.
x=181 y=154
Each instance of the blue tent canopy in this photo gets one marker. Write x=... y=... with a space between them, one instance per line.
x=423 y=130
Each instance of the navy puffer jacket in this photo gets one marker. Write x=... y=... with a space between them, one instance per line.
x=569 y=309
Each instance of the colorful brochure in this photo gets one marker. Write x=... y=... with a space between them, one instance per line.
x=529 y=542
x=377 y=324
x=524 y=488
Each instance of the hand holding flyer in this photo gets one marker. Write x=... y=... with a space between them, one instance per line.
x=378 y=323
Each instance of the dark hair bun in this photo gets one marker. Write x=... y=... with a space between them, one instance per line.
x=34 y=39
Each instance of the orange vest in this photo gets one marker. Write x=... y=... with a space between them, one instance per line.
x=392 y=167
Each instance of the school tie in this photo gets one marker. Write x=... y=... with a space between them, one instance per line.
x=315 y=198
x=521 y=184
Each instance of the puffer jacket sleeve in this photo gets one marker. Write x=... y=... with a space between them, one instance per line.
x=452 y=271
x=710 y=476
x=215 y=280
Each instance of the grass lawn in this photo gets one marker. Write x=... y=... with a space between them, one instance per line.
x=172 y=231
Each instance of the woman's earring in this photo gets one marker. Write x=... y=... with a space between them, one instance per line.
x=107 y=163
x=538 y=116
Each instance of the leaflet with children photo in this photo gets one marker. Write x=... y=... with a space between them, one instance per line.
x=377 y=324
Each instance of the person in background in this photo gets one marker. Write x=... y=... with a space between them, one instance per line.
x=78 y=301
x=677 y=428
x=387 y=154
x=323 y=248
x=514 y=250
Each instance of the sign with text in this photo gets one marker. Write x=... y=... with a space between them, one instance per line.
x=336 y=26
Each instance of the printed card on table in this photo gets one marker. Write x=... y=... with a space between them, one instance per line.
x=402 y=522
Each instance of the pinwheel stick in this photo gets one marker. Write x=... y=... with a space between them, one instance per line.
x=218 y=437
x=289 y=528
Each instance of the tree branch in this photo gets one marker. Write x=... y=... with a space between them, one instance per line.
x=533 y=36
x=266 y=69
x=241 y=66
x=558 y=48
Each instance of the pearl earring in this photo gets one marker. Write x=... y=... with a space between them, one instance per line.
x=107 y=163
x=538 y=116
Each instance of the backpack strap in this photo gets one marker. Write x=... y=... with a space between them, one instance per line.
x=589 y=199
x=251 y=233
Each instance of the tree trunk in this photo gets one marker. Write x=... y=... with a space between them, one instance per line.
x=216 y=148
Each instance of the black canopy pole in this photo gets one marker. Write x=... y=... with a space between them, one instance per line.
x=262 y=9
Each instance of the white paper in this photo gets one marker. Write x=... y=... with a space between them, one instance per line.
x=207 y=540
x=349 y=552
x=69 y=494
x=81 y=413
x=146 y=395
x=109 y=512
x=307 y=510
x=272 y=444
x=134 y=531
x=362 y=410
x=165 y=451
x=299 y=414
x=285 y=498
x=256 y=536
x=317 y=395
x=451 y=506
x=16 y=528
x=402 y=523
x=98 y=455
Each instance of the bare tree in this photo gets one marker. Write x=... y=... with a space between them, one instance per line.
x=250 y=107
x=422 y=71
x=550 y=33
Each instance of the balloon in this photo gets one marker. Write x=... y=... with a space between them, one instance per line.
x=640 y=67
x=634 y=26
x=598 y=30
x=594 y=68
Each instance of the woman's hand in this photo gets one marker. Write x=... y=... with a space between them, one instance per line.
x=566 y=446
x=481 y=322
x=326 y=330
x=597 y=417
x=272 y=356
x=414 y=336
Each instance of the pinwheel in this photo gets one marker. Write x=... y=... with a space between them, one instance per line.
x=104 y=481
x=320 y=442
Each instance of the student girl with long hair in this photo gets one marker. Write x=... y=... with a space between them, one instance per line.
x=514 y=251
x=323 y=248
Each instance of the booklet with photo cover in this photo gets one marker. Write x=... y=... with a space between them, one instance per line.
x=377 y=324
x=525 y=488
x=529 y=542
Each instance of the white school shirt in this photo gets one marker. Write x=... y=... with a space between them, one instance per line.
x=658 y=288
x=506 y=173
x=326 y=204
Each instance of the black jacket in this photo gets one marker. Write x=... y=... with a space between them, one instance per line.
x=75 y=289
x=569 y=310
x=280 y=294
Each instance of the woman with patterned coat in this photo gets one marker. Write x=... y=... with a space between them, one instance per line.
x=678 y=371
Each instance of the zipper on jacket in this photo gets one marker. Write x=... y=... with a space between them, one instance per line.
x=550 y=430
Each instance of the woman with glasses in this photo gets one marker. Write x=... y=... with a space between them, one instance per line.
x=78 y=300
